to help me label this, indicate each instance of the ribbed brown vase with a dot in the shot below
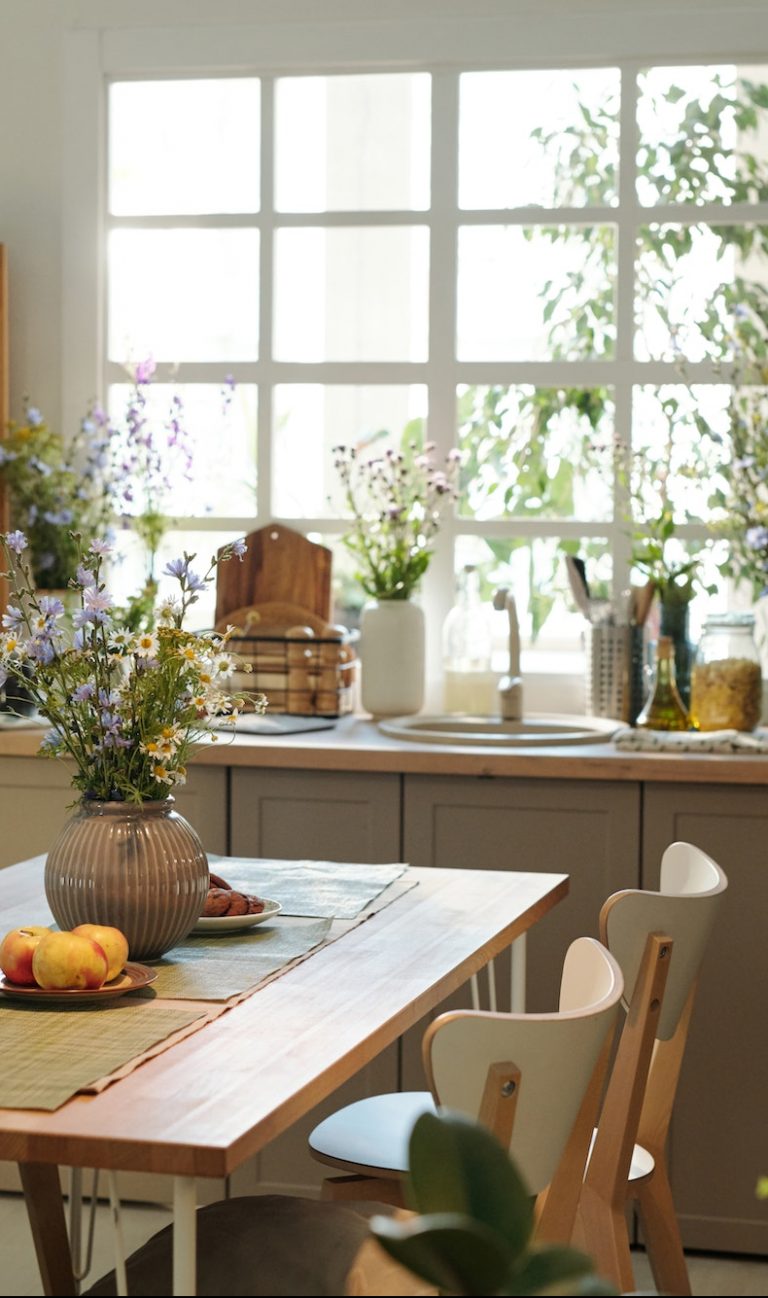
(137, 866)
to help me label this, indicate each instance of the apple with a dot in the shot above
(113, 943)
(69, 961)
(16, 951)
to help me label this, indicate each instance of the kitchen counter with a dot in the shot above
(357, 744)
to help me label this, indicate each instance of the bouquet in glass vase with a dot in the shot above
(127, 710)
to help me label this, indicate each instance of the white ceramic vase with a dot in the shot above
(392, 657)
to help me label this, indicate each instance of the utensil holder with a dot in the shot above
(615, 672)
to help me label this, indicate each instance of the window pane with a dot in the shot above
(351, 294)
(535, 572)
(535, 452)
(310, 419)
(130, 569)
(530, 294)
(571, 155)
(695, 284)
(178, 147)
(702, 135)
(674, 461)
(352, 143)
(184, 295)
(219, 428)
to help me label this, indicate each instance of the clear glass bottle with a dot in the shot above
(469, 684)
(726, 682)
(663, 709)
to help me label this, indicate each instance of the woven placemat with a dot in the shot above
(217, 967)
(334, 889)
(50, 1054)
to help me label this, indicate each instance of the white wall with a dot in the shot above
(33, 36)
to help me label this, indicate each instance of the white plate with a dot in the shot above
(230, 923)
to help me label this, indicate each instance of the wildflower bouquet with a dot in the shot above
(396, 502)
(127, 708)
(56, 488)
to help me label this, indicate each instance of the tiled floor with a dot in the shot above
(18, 1273)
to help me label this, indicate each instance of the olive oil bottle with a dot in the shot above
(663, 709)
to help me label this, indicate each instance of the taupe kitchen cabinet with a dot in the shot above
(36, 798)
(719, 1142)
(325, 816)
(589, 830)
(318, 815)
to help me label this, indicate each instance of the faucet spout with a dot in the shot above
(511, 685)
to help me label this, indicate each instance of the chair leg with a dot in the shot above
(380, 1189)
(661, 1233)
(603, 1228)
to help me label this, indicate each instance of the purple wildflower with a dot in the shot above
(12, 618)
(16, 541)
(51, 606)
(239, 548)
(100, 547)
(83, 693)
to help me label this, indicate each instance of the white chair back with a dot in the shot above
(684, 909)
(556, 1054)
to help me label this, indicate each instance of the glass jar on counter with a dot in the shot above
(726, 683)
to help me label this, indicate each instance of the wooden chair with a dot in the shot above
(659, 939)
(523, 1075)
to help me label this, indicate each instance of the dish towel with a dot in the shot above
(691, 741)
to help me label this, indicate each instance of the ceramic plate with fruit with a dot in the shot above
(227, 909)
(87, 962)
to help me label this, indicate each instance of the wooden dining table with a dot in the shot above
(214, 1099)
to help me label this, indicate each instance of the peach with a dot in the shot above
(113, 943)
(69, 961)
(16, 951)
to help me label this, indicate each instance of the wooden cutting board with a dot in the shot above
(280, 566)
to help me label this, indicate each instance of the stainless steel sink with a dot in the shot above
(538, 728)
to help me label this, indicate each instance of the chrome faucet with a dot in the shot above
(510, 686)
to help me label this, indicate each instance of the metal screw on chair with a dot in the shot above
(663, 952)
(508, 1089)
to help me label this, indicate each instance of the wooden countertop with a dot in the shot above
(356, 744)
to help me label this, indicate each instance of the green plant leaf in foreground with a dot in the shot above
(458, 1167)
(449, 1250)
(550, 1268)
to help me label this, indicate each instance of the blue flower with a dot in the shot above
(16, 541)
(100, 547)
(239, 548)
(83, 693)
(176, 568)
(51, 606)
(34, 418)
(12, 618)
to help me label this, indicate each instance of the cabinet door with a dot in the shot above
(718, 1142)
(586, 829)
(319, 815)
(36, 798)
(327, 816)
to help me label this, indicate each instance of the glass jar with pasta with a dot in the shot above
(726, 683)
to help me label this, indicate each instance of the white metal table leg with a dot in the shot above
(121, 1275)
(184, 1237)
(517, 986)
(75, 1222)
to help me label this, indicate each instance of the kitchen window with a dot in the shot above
(516, 261)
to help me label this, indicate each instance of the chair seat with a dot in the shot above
(642, 1163)
(371, 1135)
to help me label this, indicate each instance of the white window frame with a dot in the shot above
(560, 33)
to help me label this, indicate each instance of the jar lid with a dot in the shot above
(728, 621)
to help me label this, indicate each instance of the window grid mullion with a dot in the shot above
(266, 304)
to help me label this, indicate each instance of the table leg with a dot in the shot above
(42, 1192)
(184, 1236)
(517, 988)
